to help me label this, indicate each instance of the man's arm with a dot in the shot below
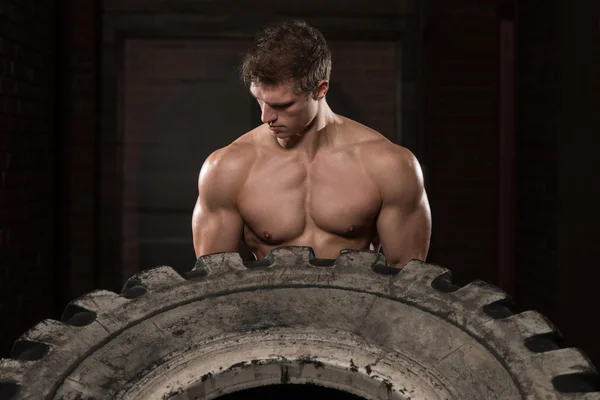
(216, 223)
(404, 221)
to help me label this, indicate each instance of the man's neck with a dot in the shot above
(315, 135)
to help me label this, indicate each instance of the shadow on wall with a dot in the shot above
(201, 115)
(341, 103)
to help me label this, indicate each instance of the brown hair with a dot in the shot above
(288, 50)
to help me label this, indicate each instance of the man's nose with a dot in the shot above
(268, 114)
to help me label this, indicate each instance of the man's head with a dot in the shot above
(287, 51)
(287, 70)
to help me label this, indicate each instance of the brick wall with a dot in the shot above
(557, 221)
(461, 120)
(77, 147)
(578, 267)
(558, 218)
(537, 152)
(26, 166)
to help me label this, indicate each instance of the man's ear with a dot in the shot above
(321, 90)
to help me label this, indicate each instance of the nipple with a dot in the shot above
(351, 229)
(267, 235)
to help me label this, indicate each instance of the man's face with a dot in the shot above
(285, 111)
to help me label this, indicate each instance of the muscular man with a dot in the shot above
(308, 176)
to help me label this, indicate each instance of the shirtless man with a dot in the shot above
(308, 176)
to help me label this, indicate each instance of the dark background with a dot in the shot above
(108, 109)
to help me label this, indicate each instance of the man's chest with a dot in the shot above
(281, 200)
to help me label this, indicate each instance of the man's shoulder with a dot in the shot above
(369, 140)
(389, 162)
(375, 150)
(232, 160)
(383, 152)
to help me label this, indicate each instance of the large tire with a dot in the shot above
(352, 324)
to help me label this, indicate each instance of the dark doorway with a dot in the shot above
(290, 392)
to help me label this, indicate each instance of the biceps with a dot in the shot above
(216, 231)
(403, 234)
